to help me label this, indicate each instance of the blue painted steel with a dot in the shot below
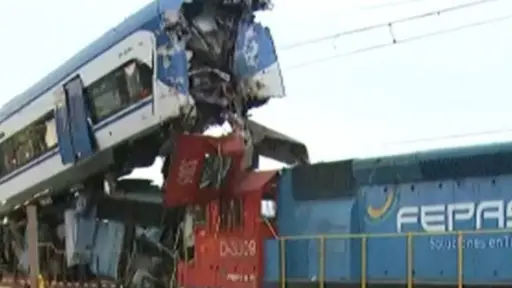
(310, 218)
(475, 161)
(81, 133)
(173, 73)
(485, 256)
(272, 260)
(66, 151)
(254, 54)
(84, 226)
(374, 209)
(106, 252)
(254, 49)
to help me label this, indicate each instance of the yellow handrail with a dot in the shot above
(395, 235)
(364, 238)
(363, 262)
(409, 260)
(460, 260)
(283, 262)
(321, 264)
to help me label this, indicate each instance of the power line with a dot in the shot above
(383, 25)
(396, 42)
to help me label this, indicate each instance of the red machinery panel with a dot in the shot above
(201, 167)
(229, 253)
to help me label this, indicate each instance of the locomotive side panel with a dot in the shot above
(430, 225)
(440, 209)
(308, 207)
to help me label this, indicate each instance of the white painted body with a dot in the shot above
(109, 132)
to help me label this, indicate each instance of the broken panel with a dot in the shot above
(80, 230)
(201, 166)
(255, 63)
(106, 252)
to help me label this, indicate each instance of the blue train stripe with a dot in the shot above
(100, 126)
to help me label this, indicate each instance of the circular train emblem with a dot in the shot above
(379, 205)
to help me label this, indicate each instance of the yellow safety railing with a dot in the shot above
(409, 237)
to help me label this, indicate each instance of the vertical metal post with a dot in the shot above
(33, 245)
(363, 261)
(321, 264)
(409, 260)
(460, 260)
(283, 262)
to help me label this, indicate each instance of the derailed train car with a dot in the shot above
(173, 67)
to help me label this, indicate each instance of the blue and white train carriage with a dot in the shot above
(168, 59)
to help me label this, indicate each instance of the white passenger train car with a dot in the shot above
(157, 65)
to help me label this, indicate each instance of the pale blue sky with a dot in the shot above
(449, 84)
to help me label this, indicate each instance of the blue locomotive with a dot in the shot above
(434, 217)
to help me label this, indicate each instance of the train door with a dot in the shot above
(76, 139)
(67, 154)
(255, 62)
(171, 91)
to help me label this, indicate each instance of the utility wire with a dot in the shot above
(383, 25)
(396, 41)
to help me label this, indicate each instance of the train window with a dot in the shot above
(50, 137)
(119, 89)
(28, 144)
(138, 80)
(8, 157)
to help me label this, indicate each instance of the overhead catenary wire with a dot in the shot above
(395, 41)
(432, 34)
(384, 24)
